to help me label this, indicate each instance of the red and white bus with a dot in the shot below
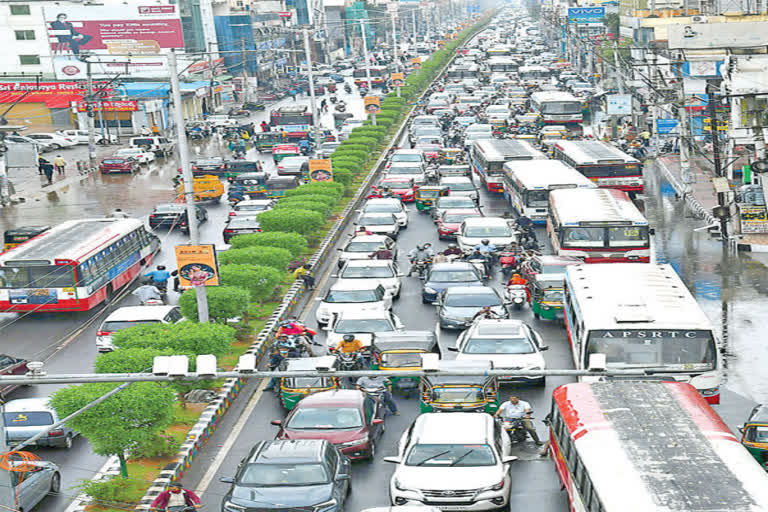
(597, 225)
(295, 120)
(74, 266)
(623, 316)
(489, 155)
(603, 163)
(634, 446)
(379, 76)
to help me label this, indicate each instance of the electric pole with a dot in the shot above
(310, 76)
(91, 124)
(186, 172)
(246, 85)
(394, 46)
(722, 199)
(211, 108)
(365, 55)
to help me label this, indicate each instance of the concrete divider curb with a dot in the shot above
(692, 202)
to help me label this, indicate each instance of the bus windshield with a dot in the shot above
(537, 198)
(676, 350)
(42, 276)
(619, 236)
(561, 107)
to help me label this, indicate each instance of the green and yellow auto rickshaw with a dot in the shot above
(264, 142)
(277, 185)
(402, 351)
(293, 389)
(450, 156)
(442, 393)
(426, 197)
(251, 185)
(754, 434)
(547, 296)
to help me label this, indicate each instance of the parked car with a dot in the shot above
(138, 154)
(130, 316)
(173, 215)
(42, 147)
(344, 296)
(55, 140)
(26, 417)
(114, 165)
(160, 146)
(307, 474)
(81, 136)
(240, 225)
(350, 419)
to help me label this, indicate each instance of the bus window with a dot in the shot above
(631, 236)
(583, 237)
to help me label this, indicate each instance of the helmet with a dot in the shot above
(427, 245)
(349, 337)
(452, 246)
(161, 267)
(485, 241)
(419, 248)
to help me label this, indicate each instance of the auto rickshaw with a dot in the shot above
(547, 296)
(293, 389)
(450, 156)
(207, 188)
(266, 141)
(457, 393)
(280, 151)
(426, 197)
(401, 351)
(339, 118)
(754, 434)
(498, 126)
(249, 185)
(277, 185)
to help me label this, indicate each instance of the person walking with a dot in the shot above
(264, 127)
(41, 165)
(48, 171)
(59, 163)
(155, 130)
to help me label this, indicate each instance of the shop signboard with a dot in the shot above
(619, 104)
(111, 106)
(585, 14)
(754, 219)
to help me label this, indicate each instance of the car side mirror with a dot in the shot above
(393, 460)
(508, 459)
(542, 348)
(453, 349)
(342, 477)
(378, 421)
(227, 480)
(277, 423)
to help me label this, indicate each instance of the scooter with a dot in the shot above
(421, 268)
(341, 107)
(516, 295)
(480, 263)
(333, 99)
(347, 88)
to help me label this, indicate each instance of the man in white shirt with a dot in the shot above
(519, 409)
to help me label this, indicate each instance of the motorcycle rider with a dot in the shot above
(517, 279)
(515, 409)
(382, 253)
(349, 344)
(420, 253)
(159, 277)
(379, 382)
(175, 496)
(486, 313)
(146, 293)
(453, 249)
(295, 328)
(488, 250)
(477, 255)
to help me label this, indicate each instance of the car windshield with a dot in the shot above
(460, 186)
(251, 207)
(456, 202)
(487, 231)
(471, 300)
(404, 170)
(371, 220)
(394, 185)
(400, 359)
(499, 346)
(406, 157)
(242, 223)
(27, 419)
(363, 246)
(453, 276)
(456, 218)
(363, 326)
(113, 161)
(456, 455)
(655, 348)
(125, 324)
(351, 296)
(325, 418)
(268, 475)
(169, 208)
(358, 272)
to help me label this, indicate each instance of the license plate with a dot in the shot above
(453, 507)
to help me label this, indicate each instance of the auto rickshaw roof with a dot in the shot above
(405, 340)
(306, 363)
(251, 176)
(759, 414)
(442, 380)
(549, 280)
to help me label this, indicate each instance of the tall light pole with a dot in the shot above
(312, 103)
(365, 54)
(394, 44)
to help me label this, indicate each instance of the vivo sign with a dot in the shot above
(586, 14)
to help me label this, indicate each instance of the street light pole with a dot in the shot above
(394, 46)
(186, 172)
(312, 102)
(365, 54)
(89, 115)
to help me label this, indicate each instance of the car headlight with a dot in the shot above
(497, 487)
(427, 289)
(399, 485)
(326, 505)
(232, 507)
(355, 442)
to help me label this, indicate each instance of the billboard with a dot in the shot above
(111, 106)
(619, 104)
(585, 14)
(372, 104)
(717, 35)
(197, 265)
(320, 170)
(124, 39)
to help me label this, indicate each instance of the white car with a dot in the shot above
(130, 316)
(379, 224)
(457, 461)
(346, 296)
(388, 205)
(460, 186)
(143, 157)
(383, 272)
(252, 207)
(362, 247)
(498, 112)
(474, 230)
(81, 136)
(54, 140)
(407, 171)
(363, 324)
(221, 120)
(507, 343)
(408, 156)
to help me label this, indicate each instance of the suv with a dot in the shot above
(170, 215)
(130, 316)
(160, 146)
(457, 461)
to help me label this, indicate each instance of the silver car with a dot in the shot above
(27, 417)
(31, 486)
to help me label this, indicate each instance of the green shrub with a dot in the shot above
(224, 302)
(343, 176)
(291, 220)
(183, 337)
(314, 195)
(352, 145)
(326, 187)
(275, 257)
(297, 202)
(161, 446)
(131, 360)
(359, 154)
(115, 490)
(295, 243)
(258, 280)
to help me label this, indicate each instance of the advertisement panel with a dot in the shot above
(398, 79)
(416, 62)
(125, 39)
(619, 104)
(666, 126)
(320, 170)
(197, 265)
(754, 219)
(112, 106)
(717, 35)
(585, 14)
(372, 104)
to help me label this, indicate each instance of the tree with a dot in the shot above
(182, 338)
(258, 280)
(223, 302)
(130, 360)
(130, 418)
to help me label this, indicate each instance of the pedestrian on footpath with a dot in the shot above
(59, 163)
(41, 165)
(48, 171)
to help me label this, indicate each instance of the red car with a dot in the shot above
(402, 188)
(113, 164)
(449, 222)
(347, 418)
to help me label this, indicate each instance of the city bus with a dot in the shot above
(489, 155)
(603, 163)
(379, 76)
(460, 71)
(500, 50)
(557, 107)
(534, 75)
(634, 446)
(597, 225)
(75, 266)
(641, 317)
(503, 65)
(296, 120)
(527, 184)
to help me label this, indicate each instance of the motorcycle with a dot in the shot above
(480, 263)
(515, 430)
(348, 361)
(375, 393)
(421, 267)
(181, 508)
(508, 261)
(516, 295)
(347, 88)
(341, 107)
(333, 99)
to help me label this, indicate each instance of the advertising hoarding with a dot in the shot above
(197, 265)
(111, 106)
(109, 36)
(372, 104)
(619, 104)
(717, 35)
(585, 14)
(320, 170)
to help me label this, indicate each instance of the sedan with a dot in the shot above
(506, 343)
(293, 166)
(38, 481)
(54, 140)
(383, 272)
(460, 186)
(209, 165)
(113, 165)
(325, 149)
(307, 474)
(363, 324)
(345, 296)
(362, 247)
(81, 136)
(350, 419)
(457, 306)
(447, 275)
(138, 154)
(450, 202)
(380, 224)
(172, 215)
(42, 146)
(410, 171)
(449, 222)
(402, 188)
(240, 225)
(252, 207)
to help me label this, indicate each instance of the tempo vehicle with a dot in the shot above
(17, 236)
(547, 296)
(461, 393)
(754, 434)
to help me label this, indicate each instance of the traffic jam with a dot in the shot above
(498, 235)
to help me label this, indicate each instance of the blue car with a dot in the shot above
(447, 275)
(336, 78)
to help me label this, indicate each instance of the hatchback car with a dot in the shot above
(495, 229)
(457, 306)
(141, 156)
(383, 272)
(362, 247)
(460, 186)
(114, 165)
(240, 225)
(506, 343)
(450, 202)
(26, 417)
(326, 149)
(350, 419)
(173, 215)
(379, 224)
(385, 205)
(363, 324)
(307, 474)
(447, 275)
(345, 296)
(449, 222)
(131, 316)
(293, 166)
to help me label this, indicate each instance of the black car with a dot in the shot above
(210, 165)
(307, 474)
(240, 225)
(173, 215)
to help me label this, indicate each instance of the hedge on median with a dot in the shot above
(291, 220)
(275, 257)
(295, 243)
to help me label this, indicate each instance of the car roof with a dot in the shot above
(283, 451)
(456, 265)
(255, 202)
(333, 398)
(470, 290)
(356, 314)
(27, 404)
(457, 427)
(369, 263)
(353, 284)
(493, 327)
(484, 221)
(369, 238)
(377, 214)
(139, 313)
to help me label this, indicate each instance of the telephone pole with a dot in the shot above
(186, 172)
(394, 45)
(211, 107)
(246, 85)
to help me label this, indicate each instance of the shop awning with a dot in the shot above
(51, 100)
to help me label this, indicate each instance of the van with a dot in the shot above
(26, 417)
(160, 146)
(130, 316)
